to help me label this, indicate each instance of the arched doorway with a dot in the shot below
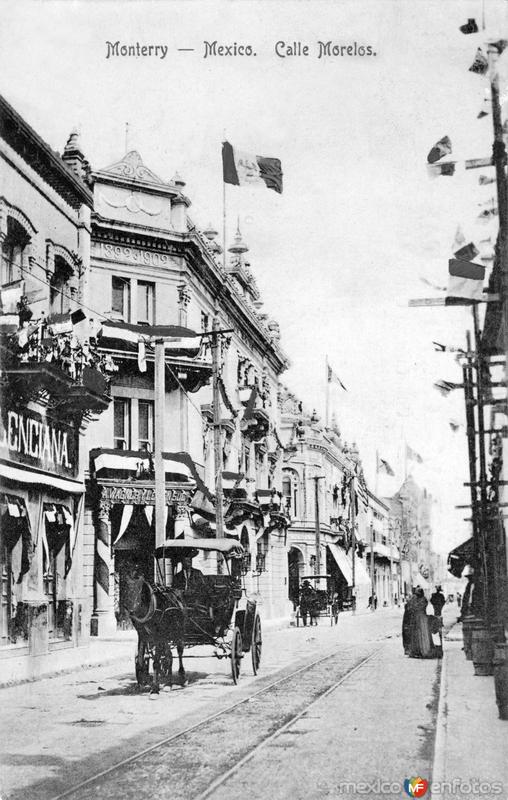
(295, 569)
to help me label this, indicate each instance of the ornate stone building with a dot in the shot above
(317, 484)
(52, 381)
(152, 270)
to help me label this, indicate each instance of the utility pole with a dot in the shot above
(372, 575)
(353, 542)
(217, 430)
(160, 477)
(317, 529)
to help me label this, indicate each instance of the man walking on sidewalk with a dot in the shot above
(437, 600)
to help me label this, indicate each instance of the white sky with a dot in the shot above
(339, 254)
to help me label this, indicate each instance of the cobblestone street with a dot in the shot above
(96, 718)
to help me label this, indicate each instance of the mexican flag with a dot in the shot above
(245, 169)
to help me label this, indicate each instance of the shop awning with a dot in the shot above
(124, 464)
(344, 562)
(178, 341)
(40, 479)
(460, 556)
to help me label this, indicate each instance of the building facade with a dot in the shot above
(317, 488)
(151, 271)
(52, 382)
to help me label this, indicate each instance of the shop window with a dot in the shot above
(121, 298)
(59, 288)
(15, 552)
(146, 303)
(122, 423)
(13, 249)
(145, 425)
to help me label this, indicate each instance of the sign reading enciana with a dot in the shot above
(29, 438)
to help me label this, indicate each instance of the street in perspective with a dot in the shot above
(253, 400)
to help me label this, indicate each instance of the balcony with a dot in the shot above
(257, 425)
(72, 378)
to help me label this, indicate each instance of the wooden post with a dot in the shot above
(372, 574)
(353, 542)
(217, 438)
(160, 477)
(317, 528)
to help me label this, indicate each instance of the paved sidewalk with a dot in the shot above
(471, 754)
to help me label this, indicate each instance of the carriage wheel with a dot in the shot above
(256, 645)
(236, 654)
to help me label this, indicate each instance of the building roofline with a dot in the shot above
(42, 158)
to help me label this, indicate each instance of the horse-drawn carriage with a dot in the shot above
(188, 608)
(316, 602)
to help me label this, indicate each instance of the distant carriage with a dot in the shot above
(319, 603)
(193, 609)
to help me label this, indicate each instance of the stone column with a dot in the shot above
(103, 618)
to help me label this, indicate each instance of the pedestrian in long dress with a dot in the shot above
(421, 645)
(407, 623)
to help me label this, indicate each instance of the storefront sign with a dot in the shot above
(142, 495)
(120, 252)
(27, 437)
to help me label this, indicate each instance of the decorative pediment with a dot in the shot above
(131, 168)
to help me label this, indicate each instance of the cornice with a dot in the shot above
(198, 257)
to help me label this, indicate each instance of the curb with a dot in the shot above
(440, 740)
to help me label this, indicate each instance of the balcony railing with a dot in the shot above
(73, 375)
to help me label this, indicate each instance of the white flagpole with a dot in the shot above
(377, 472)
(327, 408)
(224, 222)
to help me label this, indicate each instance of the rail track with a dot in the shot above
(196, 761)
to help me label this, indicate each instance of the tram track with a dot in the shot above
(196, 761)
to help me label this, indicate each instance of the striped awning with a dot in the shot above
(135, 463)
(178, 341)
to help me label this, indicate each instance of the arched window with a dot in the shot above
(12, 252)
(60, 290)
(290, 492)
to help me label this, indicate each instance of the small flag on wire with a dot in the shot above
(480, 64)
(454, 425)
(412, 455)
(445, 387)
(432, 285)
(245, 169)
(467, 253)
(334, 378)
(442, 148)
(443, 348)
(469, 27)
(486, 105)
(465, 284)
(383, 466)
(487, 214)
(446, 168)
(483, 180)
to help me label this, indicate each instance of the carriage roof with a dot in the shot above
(230, 548)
